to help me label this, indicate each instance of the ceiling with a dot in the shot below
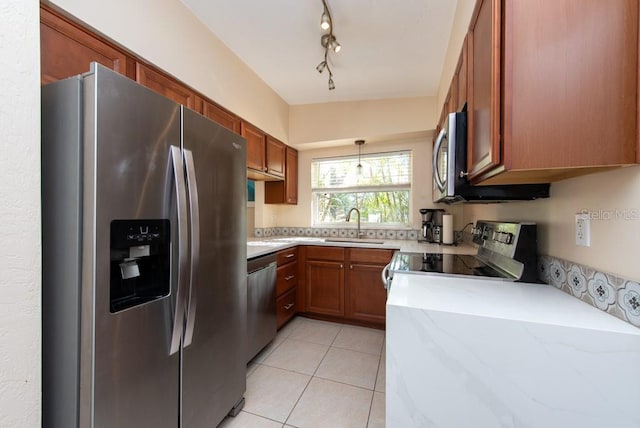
(390, 49)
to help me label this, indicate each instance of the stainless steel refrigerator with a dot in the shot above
(144, 259)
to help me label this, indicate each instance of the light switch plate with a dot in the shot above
(583, 230)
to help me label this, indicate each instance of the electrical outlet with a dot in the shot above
(583, 230)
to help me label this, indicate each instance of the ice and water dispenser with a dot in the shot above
(140, 262)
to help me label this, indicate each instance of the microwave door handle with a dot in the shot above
(436, 150)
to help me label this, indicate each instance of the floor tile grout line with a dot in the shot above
(264, 417)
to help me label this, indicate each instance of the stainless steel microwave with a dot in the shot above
(450, 184)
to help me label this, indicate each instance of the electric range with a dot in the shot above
(506, 251)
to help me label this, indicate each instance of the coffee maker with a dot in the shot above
(431, 225)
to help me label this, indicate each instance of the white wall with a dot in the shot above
(421, 195)
(311, 123)
(614, 199)
(20, 311)
(167, 34)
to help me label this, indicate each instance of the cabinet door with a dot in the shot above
(165, 86)
(284, 192)
(66, 50)
(367, 295)
(221, 116)
(461, 73)
(256, 140)
(285, 307)
(275, 156)
(325, 287)
(291, 176)
(483, 136)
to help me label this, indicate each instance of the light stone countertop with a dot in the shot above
(259, 247)
(509, 354)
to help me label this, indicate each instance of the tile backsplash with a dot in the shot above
(617, 296)
(326, 232)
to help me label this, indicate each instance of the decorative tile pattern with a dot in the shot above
(616, 296)
(577, 281)
(557, 273)
(344, 232)
(629, 301)
(602, 292)
(544, 265)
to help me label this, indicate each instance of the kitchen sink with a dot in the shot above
(354, 241)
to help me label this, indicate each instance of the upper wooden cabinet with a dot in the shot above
(66, 49)
(284, 192)
(460, 78)
(275, 156)
(167, 86)
(266, 156)
(552, 89)
(221, 116)
(256, 146)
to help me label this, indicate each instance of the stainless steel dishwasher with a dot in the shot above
(261, 303)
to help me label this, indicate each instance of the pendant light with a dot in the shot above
(359, 143)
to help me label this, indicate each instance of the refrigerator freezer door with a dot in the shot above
(128, 175)
(214, 366)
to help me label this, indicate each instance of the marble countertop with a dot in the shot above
(259, 247)
(505, 354)
(477, 296)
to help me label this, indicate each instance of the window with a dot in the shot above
(381, 191)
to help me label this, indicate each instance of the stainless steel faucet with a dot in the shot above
(349, 217)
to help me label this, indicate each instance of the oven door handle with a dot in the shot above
(436, 151)
(385, 275)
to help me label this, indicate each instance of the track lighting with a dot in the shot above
(324, 21)
(328, 42)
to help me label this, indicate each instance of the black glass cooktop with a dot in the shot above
(453, 264)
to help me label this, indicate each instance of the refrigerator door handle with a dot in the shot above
(181, 201)
(194, 208)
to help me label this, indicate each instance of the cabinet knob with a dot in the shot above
(289, 278)
(341, 266)
(463, 174)
(289, 306)
(350, 266)
(288, 256)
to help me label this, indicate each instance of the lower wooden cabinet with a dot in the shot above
(286, 285)
(345, 283)
(285, 307)
(367, 295)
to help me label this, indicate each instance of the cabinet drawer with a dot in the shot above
(287, 256)
(285, 307)
(287, 277)
(325, 253)
(368, 255)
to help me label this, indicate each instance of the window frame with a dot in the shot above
(354, 189)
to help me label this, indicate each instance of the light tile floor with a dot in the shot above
(316, 374)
